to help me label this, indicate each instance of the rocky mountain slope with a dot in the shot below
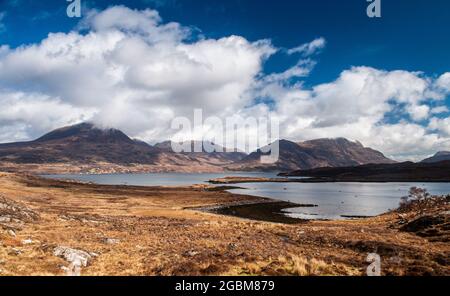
(221, 154)
(440, 156)
(81, 143)
(313, 154)
(86, 148)
(105, 151)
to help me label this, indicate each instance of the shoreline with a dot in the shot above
(257, 208)
(263, 211)
(242, 180)
(147, 231)
(266, 210)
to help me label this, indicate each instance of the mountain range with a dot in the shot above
(386, 172)
(440, 156)
(313, 154)
(86, 148)
(82, 147)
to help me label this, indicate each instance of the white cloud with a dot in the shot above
(301, 69)
(356, 105)
(130, 70)
(439, 110)
(310, 48)
(444, 82)
(145, 23)
(358, 92)
(25, 113)
(440, 124)
(418, 112)
(136, 72)
(4, 49)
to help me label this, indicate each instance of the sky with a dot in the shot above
(323, 68)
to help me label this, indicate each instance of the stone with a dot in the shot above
(14, 252)
(112, 241)
(27, 242)
(76, 257)
(5, 219)
(191, 253)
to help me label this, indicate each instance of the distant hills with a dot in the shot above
(81, 147)
(313, 154)
(221, 155)
(107, 150)
(393, 172)
(440, 156)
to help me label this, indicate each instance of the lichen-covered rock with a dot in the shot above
(77, 257)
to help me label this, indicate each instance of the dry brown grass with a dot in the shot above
(158, 235)
(294, 265)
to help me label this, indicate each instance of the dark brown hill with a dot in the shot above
(82, 143)
(394, 172)
(313, 154)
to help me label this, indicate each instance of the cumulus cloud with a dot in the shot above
(136, 72)
(444, 82)
(418, 112)
(440, 124)
(23, 113)
(361, 92)
(356, 106)
(128, 69)
(439, 110)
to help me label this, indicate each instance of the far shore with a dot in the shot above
(137, 230)
(241, 180)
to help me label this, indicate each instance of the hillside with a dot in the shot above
(82, 143)
(86, 148)
(222, 153)
(394, 172)
(440, 156)
(313, 154)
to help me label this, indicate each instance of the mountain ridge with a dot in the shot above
(86, 145)
(82, 143)
(438, 157)
(310, 154)
(386, 172)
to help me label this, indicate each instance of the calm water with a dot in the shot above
(333, 199)
(337, 199)
(156, 179)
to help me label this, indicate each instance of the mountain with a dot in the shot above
(390, 172)
(440, 156)
(313, 154)
(86, 148)
(82, 143)
(222, 153)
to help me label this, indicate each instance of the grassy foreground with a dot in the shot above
(160, 231)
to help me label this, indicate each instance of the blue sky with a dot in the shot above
(411, 36)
